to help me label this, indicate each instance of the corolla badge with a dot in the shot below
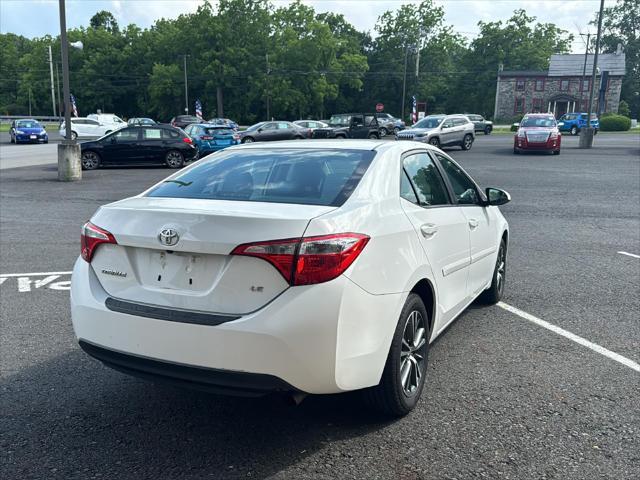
(168, 236)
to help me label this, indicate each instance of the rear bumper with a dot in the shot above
(199, 378)
(324, 338)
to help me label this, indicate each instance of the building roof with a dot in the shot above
(573, 64)
(522, 73)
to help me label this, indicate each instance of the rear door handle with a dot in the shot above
(473, 223)
(428, 230)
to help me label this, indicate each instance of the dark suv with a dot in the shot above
(350, 125)
(181, 121)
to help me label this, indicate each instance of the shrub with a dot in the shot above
(615, 123)
(623, 109)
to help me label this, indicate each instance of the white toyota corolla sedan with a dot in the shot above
(303, 266)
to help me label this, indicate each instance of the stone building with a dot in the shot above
(562, 88)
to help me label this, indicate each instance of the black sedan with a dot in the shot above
(269, 131)
(182, 121)
(136, 145)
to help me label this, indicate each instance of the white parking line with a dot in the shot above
(39, 274)
(572, 336)
(629, 254)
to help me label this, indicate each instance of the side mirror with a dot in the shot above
(496, 197)
(560, 124)
(260, 129)
(447, 125)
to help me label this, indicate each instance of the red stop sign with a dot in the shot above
(379, 107)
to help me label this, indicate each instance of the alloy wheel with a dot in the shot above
(413, 353)
(90, 160)
(435, 142)
(383, 132)
(174, 159)
(501, 269)
(468, 141)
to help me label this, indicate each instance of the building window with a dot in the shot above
(520, 84)
(519, 106)
(539, 84)
(585, 85)
(537, 105)
(564, 85)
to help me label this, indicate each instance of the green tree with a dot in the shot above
(517, 44)
(621, 25)
(105, 20)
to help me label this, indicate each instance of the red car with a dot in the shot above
(537, 132)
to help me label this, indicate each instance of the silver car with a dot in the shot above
(441, 131)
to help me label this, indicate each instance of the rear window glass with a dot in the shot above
(219, 131)
(310, 177)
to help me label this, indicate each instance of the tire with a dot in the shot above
(90, 160)
(11, 139)
(595, 132)
(487, 130)
(341, 137)
(174, 159)
(574, 130)
(494, 293)
(298, 138)
(556, 152)
(248, 140)
(435, 141)
(383, 132)
(74, 135)
(373, 136)
(407, 354)
(516, 151)
(396, 130)
(467, 142)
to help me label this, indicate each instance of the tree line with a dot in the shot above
(257, 61)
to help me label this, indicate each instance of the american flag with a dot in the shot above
(74, 109)
(198, 109)
(414, 112)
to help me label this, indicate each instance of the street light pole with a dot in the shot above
(69, 166)
(186, 87)
(53, 93)
(404, 80)
(586, 134)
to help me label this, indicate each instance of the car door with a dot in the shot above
(358, 128)
(151, 149)
(482, 224)
(447, 132)
(442, 229)
(285, 131)
(122, 147)
(267, 132)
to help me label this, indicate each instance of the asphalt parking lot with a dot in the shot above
(507, 395)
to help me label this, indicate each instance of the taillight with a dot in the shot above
(187, 140)
(308, 260)
(92, 236)
(206, 137)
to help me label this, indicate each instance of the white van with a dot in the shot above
(110, 120)
(84, 127)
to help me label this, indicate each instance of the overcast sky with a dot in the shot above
(33, 18)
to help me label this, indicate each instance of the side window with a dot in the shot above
(459, 122)
(357, 121)
(152, 134)
(127, 135)
(463, 187)
(170, 134)
(406, 190)
(95, 123)
(426, 179)
(283, 126)
(270, 126)
(370, 121)
(447, 123)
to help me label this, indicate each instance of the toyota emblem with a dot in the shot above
(168, 237)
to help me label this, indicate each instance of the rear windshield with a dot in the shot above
(218, 131)
(309, 177)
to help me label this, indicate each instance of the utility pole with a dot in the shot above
(69, 166)
(186, 87)
(58, 88)
(404, 81)
(268, 88)
(586, 134)
(53, 93)
(584, 70)
(29, 101)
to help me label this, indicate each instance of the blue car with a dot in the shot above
(575, 121)
(27, 131)
(225, 122)
(210, 138)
